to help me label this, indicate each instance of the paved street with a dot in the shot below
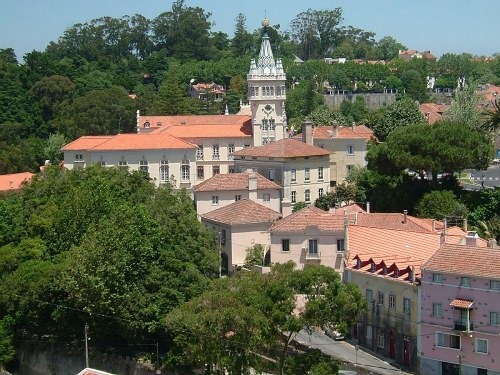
(346, 352)
(491, 178)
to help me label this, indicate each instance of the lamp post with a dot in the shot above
(86, 345)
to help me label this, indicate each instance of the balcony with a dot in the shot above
(313, 255)
(462, 326)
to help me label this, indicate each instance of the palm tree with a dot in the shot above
(492, 118)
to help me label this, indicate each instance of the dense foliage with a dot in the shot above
(100, 246)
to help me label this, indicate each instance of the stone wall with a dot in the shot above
(372, 100)
(36, 358)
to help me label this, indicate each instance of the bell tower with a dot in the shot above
(266, 94)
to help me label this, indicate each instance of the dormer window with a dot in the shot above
(147, 125)
(158, 123)
(373, 267)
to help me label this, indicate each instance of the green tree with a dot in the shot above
(439, 204)
(53, 148)
(299, 206)
(465, 107)
(491, 117)
(388, 48)
(254, 256)
(398, 114)
(242, 42)
(49, 92)
(171, 98)
(7, 351)
(415, 85)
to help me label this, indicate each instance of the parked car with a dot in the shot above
(333, 333)
(495, 161)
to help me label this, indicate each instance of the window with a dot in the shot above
(230, 151)
(147, 125)
(143, 165)
(102, 163)
(271, 174)
(447, 340)
(294, 196)
(350, 150)
(164, 171)
(200, 173)
(307, 174)
(437, 310)
(122, 163)
(199, 153)
(265, 124)
(237, 197)
(78, 157)
(246, 146)
(350, 169)
(495, 284)
(341, 244)
(406, 305)
(293, 175)
(369, 295)
(266, 197)
(369, 332)
(464, 281)
(381, 298)
(285, 245)
(392, 301)
(495, 318)
(222, 237)
(320, 192)
(437, 278)
(320, 173)
(215, 170)
(380, 339)
(185, 171)
(307, 195)
(215, 200)
(215, 152)
(272, 125)
(313, 247)
(481, 346)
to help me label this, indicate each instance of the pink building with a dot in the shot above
(460, 310)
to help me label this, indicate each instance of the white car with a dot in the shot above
(334, 334)
(495, 161)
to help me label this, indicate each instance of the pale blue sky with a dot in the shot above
(440, 26)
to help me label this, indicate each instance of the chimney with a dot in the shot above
(412, 274)
(346, 238)
(442, 238)
(405, 216)
(464, 225)
(492, 243)
(433, 225)
(252, 185)
(335, 132)
(307, 132)
(367, 207)
(471, 238)
(138, 121)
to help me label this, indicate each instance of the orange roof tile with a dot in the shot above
(309, 217)
(86, 142)
(14, 181)
(472, 261)
(432, 112)
(284, 148)
(402, 248)
(347, 209)
(235, 181)
(243, 211)
(322, 132)
(461, 303)
(128, 142)
(208, 131)
(164, 121)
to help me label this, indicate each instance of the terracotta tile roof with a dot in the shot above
(350, 208)
(461, 303)
(364, 131)
(326, 132)
(208, 131)
(243, 211)
(472, 261)
(235, 181)
(390, 221)
(389, 247)
(14, 181)
(432, 112)
(490, 93)
(128, 142)
(194, 120)
(86, 142)
(91, 371)
(284, 148)
(309, 217)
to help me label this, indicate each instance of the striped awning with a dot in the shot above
(459, 303)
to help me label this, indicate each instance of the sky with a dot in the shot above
(441, 26)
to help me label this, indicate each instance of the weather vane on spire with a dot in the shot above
(265, 21)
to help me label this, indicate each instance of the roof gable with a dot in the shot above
(284, 148)
(244, 211)
(309, 217)
(235, 181)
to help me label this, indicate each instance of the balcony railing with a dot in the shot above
(313, 255)
(462, 326)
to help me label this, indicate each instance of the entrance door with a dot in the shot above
(406, 351)
(392, 345)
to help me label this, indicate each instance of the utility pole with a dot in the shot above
(220, 253)
(86, 345)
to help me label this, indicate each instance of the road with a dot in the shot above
(490, 177)
(345, 352)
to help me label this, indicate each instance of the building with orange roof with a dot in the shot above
(14, 181)
(302, 170)
(432, 112)
(460, 309)
(240, 226)
(202, 91)
(309, 236)
(224, 189)
(165, 158)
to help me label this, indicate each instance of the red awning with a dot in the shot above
(459, 303)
